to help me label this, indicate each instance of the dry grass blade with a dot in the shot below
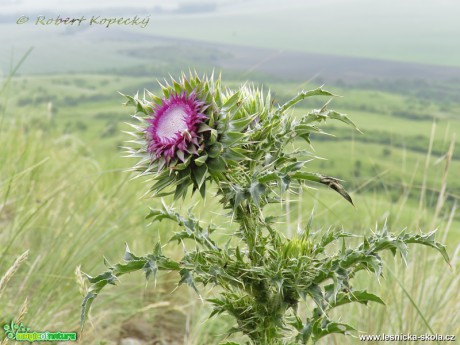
(425, 170)
(23, 311)
(80, 281)
(12, 270)
(442, 192)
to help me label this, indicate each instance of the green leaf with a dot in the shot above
(203, 190)
(85, 307)
(157, 215)
(303, 130)
(149, 265)
(107, 277)
(231, 138)
(231, 101)
(330, 236)
(427, 240)
(301, 96)
(149, 268)
(269, 177)
(285, 181)
(181, 190)
(177, 87)
(201, 160)
(360, 296)
(200, 174)
(215, 150)
(131, 266)
(204, 128)
(213, 136)
(341, 117)
(304, 331)
(240, 196)
(129, 256)
(257, 190)
(323, 327)
(186, 277)
(234, 155)
(163, 183)
(216, 164)
(316, 294)
(241, 124)
(295, 166)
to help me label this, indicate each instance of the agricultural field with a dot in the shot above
(67, 201)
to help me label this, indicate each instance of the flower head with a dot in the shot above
(173, 127)
(198, 132)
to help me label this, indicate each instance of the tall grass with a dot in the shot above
(64, 209)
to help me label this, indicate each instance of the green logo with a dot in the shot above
(23, 333)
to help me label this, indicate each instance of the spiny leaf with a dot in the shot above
(200, 174)
(149, 268)
(301, 96)
(186, 277)
(341, 117)
(323, 327)
(232, 101)
(257, 190)
(85, 307)
(231, 138)
(316, 294)
(128, 255)
(149, 265)
(427, 240)
(360, 296)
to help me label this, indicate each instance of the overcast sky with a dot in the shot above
(33, 5)
(27, 6)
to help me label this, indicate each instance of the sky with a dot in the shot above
(8, 6)
(33, 5)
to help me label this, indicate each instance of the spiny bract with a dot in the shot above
(198, 131)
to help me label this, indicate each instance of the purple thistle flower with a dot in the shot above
(173, 128)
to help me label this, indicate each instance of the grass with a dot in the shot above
(65, 201)
(53, 199)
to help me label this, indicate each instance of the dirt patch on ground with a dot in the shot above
(168, 328)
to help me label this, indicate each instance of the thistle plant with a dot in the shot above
(279, 290)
